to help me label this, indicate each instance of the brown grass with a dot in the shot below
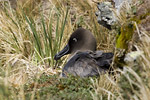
(18, 60)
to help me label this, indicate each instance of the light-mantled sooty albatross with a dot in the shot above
(84, 61)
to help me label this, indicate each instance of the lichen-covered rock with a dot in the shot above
(105, 15)
(119, 3)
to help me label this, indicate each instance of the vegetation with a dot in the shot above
(33, 31)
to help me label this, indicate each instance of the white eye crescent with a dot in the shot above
(75, 39)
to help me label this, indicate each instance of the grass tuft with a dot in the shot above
(33, 31)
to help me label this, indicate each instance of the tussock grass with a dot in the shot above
(28, 42)
(132, 83)
(33, 31)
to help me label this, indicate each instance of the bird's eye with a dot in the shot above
(75, 39)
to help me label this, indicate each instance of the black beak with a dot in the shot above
(62, 52)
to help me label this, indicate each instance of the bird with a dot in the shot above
(85, 60)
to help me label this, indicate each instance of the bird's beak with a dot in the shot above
(62, 52)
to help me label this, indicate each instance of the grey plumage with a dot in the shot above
(85, 60)
(85, 64)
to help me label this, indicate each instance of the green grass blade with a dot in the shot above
(35, 35)
(63, 26)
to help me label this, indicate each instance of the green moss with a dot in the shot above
(125, 36)
(127, 30)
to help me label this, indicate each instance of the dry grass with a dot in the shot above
(133, 82)
(22, 29)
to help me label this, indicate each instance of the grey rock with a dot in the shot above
(105, 14)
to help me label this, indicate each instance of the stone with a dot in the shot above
(105, 15)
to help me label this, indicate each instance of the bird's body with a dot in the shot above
(85, 64)
(85, 60)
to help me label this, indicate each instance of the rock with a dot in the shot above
(132, 56)
(105, 15)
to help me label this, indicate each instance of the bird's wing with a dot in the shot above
(104, 60)
(83, 65)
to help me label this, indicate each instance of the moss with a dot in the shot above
(127, 30)
(125, 36)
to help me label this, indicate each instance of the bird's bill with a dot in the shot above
(62, 52)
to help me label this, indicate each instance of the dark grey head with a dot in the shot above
(80, 40)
